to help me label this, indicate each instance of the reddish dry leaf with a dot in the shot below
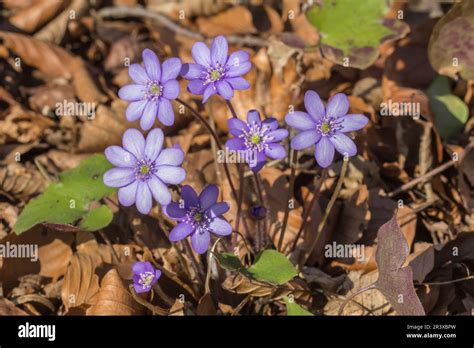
(395, 281)
(8, 308)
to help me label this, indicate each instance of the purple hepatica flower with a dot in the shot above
(215, 71)
(154, 86)
(258, 139)
(325, 127)
(144, 276)
(143, 169)
(199, 217)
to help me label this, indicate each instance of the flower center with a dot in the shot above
(154, 90)
(145, 279)
(144, 170)
(328, 126)
(214, 74)
(325, 127)
(256, 137)
(196, 217)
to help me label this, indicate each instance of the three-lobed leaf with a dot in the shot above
(68, 201)
(352, 31)
(270, 266)
(294, 309)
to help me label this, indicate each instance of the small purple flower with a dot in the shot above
(198, 217)
(143, 169)
(325, 127)
(144, 276)
(154, 87)
(258, 139)
(215, 71)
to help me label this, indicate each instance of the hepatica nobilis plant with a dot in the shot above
(144, 171)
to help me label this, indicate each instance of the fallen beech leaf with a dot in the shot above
(114, 298)
(236, 20)
(81, 284)
(8, 308)
(31, 18)
(395, 281)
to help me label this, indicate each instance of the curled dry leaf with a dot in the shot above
(8, 308)
(114, 298)
(48, 58)
(81, 284)
(33, 17)
(20, 182)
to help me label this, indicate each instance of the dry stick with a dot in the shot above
(294, 163)
(138, 11)
(421, 179)
(193, 260)
(109, 244)
(341, 309)
(210, 254)
(334, 196)
(241, 305)
(309, 208)
(155, 309)
(450, 281)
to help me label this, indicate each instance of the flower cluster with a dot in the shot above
(144, 169)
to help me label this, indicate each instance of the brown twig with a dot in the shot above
(138, 11)
(422, 178)
(309, 208)
(335, 194)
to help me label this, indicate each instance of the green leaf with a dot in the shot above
(272, 267)
(354, 29)
(450, 112)
(293, 308)
(68, 200)
(450, 49)
(229, 261)
(97, 218)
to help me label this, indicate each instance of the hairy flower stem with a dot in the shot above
(231, 108)
(263, 204)
(334, 196)
(294, 163)
(310, 206)
(214, 135)
(241, 195)
(154, 309)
